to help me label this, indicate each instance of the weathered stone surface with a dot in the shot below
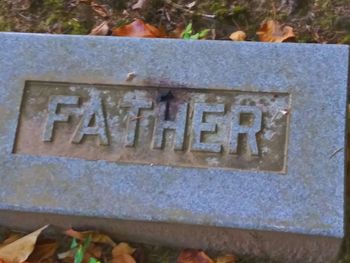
(246, 136)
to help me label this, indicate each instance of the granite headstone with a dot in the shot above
(210, 144)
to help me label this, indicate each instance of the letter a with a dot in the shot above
(93, 113)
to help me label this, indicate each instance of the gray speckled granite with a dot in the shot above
(307, 199)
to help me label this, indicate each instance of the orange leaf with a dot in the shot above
(123, 259)
(122, 249)
(238, 36)
(75, 234)
(272, 31)
(193, 256)
(138, 28)
(19, 250)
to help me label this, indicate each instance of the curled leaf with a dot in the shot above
(139, 4)
(191, 5)
(138, 28)
(193, 256)
(238, 36)
(101, 30)
(100, 10)
(96, 237)
(272, 31)
(19, 250)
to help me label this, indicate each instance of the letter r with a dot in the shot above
(250, 130)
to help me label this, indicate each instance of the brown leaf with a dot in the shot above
(43, 250)
(19, 250)
(99, 9)
(178, 31)
(226, 259)
(139, 4)
(101, 30)
(96, 237)
(95, 251)
(193, 256)
(138, 28)
(123, 259)
(122, 249)
(238, 36)
(272, 31)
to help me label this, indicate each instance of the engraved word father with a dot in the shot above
(93, 123)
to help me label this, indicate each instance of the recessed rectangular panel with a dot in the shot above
(167, 126)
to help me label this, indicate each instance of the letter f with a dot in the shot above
(53, 116)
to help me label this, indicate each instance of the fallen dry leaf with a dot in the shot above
(43, 250)
(178, 31)
(191, 5)
(95, 251)
(238, 36)
(226, 259)
(138, 28)
(99, 9)
(122, 249)
(123, 259)
(96, 237)
(272, 31)
(193, 256)
(67, 254)
(101, 30)
(19, 250)
(139, 4)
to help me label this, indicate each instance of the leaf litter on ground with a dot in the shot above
(93, 247)
(20, 249)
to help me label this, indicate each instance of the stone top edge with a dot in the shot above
(181, 41)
